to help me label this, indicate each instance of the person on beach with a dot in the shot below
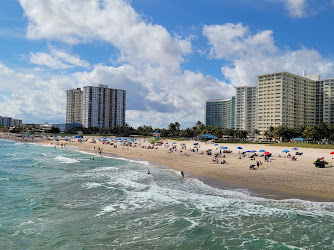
(257, 164)
(182, 174)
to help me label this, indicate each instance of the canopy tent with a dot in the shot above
(298, 139)
(208, 136)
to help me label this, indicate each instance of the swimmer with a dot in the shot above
(148, 171)
(182, 174)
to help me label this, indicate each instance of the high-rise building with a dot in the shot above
(17, 123)
(74, 106)
(6, 121)
(220, 113)
(103, 107)
(246, 106)
(285, 99)
(327, 101)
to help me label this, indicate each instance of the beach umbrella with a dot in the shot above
(295, 149)
(332, 153)
(174, 142)
(239, 147)
(224, 147)
(253, 151)
(196, 143)
(215, 144)
(285, 151)
(248, 151)
(267, 153)
(262, 150)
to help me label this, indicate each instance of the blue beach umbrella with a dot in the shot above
(261, 151)
(239, 147)
(196, 143)
(225, 147)
(248, 151)
(174, 142)
(285, 151)
(253, 151)
(295, 149)
(215, 144)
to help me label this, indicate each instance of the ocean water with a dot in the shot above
(54, 198)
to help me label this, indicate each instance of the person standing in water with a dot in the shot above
(182, 174)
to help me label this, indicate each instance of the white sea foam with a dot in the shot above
(66, 160)
(90, 185)
(107, 209)
(27, 223)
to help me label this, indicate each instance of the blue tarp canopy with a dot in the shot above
(298, 139)
(208, 136)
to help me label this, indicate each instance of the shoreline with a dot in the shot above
(272, 180)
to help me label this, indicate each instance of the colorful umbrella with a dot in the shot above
(267, 153)
(332, 153)
(239, 147)
(285, 151)
(224, 147)
(295, 149)
(262, 150)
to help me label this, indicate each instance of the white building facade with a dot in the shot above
(246, 108)
(103, 107)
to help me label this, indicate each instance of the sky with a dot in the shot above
(169, 55)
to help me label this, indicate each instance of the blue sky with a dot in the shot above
(170, 55)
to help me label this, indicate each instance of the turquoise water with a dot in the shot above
(53, 198)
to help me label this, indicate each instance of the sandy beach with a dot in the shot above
(300, 177)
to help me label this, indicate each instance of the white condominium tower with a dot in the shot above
(326, 110)
(74, 106)
(246, 108)
(103, 107)
(285, 99)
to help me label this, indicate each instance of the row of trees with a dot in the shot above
(281, 133)
(314, 133)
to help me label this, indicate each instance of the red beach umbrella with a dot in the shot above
(332, 153)
(266, 153)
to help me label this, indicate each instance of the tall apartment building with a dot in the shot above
(246, 108)
(17, 123)
(285, 99)
(74, 106)
(220, 113)
(103, 107)
(327, 97)
(6, 121)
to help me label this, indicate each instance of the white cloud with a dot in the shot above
(45, 59)
(57, 59)
(246, 56)
(296, 8)
(230, 41)
(73, 60)
(113, 21)
(32, 98)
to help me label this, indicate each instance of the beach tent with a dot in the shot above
(298, 139)
(208, 136)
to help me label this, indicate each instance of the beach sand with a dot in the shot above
(296, 178)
